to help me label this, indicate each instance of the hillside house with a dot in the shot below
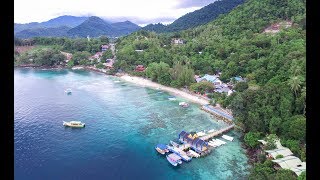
(276, 27)
(109, 63)
(96, 56)
(105, 47)
(140, 68)
(68, 56)
(177, 41)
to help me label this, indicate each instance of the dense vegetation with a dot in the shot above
(50, 48)
(44, 32)
(274, 99)
(196, 18)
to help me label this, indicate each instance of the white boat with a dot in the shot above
(229, 138)
(171, 98)
(201, 133)
(183, 104)
(194, 154)
(68, 91)
(212, 130)
(74, 124)
(222, 142)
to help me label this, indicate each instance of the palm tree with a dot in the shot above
(295, 84)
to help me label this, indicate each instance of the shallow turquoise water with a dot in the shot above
(124, 123)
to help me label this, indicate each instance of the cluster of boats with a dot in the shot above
(177, 155)
(176, 152)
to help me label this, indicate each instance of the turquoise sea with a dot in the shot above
(123, 124)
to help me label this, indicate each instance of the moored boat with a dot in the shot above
(74, 124)
(183, 104)
(229, 138)
(68, 91)
(162, 148)
(174, 159)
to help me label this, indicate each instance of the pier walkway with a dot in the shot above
(216, 133)
(220, 114)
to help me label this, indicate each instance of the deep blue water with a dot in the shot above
(123, 124)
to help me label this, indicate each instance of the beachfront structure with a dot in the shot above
(197, 144)
(211, 78)
(109, 63)
(280, 151)
(292, 163)
(96, 56)
(288, 161)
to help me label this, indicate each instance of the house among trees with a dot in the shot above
(237, 79)
(283, 156)
(109, 63)
(96, 56)
(104, 47)
(68, 56)
(211, 78)
(140, 68)
(274, 28)
(177, 41)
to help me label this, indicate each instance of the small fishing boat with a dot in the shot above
(162, 148)
(68, 91)
(172, 98)
(174, 159)
(201, 133)
(183, 104)
(229, 138)
(77, 124)
(174, 144)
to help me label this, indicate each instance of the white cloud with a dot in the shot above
(134, 10)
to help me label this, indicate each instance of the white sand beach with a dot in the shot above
(147, 83)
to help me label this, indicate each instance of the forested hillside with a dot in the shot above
(274, 102)
(196, 18)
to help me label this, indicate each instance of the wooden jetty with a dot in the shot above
(217, 133)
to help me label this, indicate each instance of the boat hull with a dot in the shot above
(173, 163)
(160, 151)
(67, 124)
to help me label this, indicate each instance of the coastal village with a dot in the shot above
(235, 93)
(200, 144)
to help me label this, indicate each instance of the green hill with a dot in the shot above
(196, 18)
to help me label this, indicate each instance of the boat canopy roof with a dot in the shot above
(162, 146)
(76, 122)
(174, 156)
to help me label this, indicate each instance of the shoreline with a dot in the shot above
(140, 81)
(177, 92)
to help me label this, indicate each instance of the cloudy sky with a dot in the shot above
(141, 12)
